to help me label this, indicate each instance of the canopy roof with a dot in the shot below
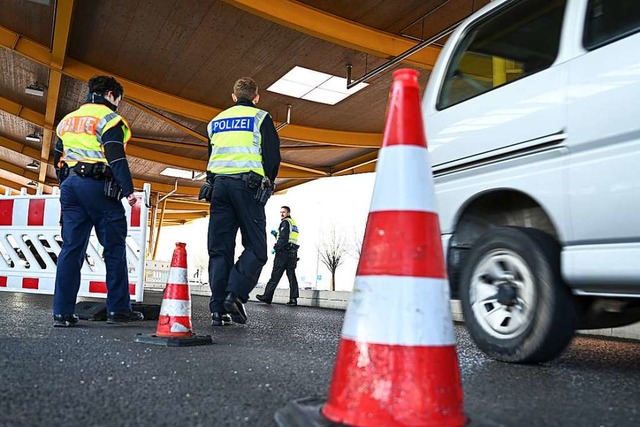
(178, 60)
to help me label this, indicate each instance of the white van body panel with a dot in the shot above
(568, 137)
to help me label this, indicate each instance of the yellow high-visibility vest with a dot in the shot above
(236, 141)
(81, 133)
(293, 231)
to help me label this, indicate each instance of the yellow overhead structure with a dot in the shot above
(287, 170)
(325, 26)
(61, 27)
(175, 104)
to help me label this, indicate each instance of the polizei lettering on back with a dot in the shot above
(233, 124)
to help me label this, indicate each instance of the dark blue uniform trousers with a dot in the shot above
(85, 206)
(234, 207)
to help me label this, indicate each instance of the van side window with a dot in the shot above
(608, 21)
(515, 41)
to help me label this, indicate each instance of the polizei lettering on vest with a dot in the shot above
(233, 124)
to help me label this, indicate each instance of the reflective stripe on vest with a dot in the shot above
(81, 133)
(236, 141)
(293, 231)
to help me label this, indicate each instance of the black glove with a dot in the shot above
(205, 191)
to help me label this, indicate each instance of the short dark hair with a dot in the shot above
(245, 88)
(101, 85)
(286, 208)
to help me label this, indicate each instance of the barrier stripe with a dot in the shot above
(6, 212)
(389, 381)
(101, 287)
(417, 305)
(175, 308)
(180, 292)
(36, 212)
(402, 243)
(398, 191)
(174, 326)
(30, 283)
(135, 213)
(177, 275)
(3, 281)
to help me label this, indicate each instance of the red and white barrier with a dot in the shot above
(30, 243)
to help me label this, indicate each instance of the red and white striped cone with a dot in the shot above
(174, 323)
(175, 311)
(396, 363)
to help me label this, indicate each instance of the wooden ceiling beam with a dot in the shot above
(61, 29)
(172, 144)
(18, 147)
(174, 104)
(11, 185)
(287, 170)
(167, 120)
(357, 162)
(316, 23)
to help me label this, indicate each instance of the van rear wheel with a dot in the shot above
(515, 305)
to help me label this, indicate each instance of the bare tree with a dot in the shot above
(332, 249)
(355, 245)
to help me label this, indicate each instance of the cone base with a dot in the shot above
(173, 341)
(303, 412)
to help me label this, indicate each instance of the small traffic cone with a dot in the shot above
(174, 323)
(396, 363)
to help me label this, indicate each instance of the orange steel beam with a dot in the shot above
(166, 188)
(13, 186)
(174, 144)
(24, 113)
(19, 148)
(61, 28)
(331, 28)
(354, 163)
(13, 41)
(287, 170)
(167, 120)
(185, 215)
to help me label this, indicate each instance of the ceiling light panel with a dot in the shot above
(324, 96)
(339, 84)
(178, 173)
(289, 88)
(315, 86)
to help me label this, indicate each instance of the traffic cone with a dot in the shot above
(174, 322)
(396, 363)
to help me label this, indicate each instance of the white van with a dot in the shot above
(532, 117)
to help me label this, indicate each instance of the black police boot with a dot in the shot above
(117, 318)
(64, 320)
(292, 302)
(263, 299)
(233, 304)
(220, 319)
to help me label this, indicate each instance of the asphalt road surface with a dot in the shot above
(96, 375)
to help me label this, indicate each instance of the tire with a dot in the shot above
(515, 305)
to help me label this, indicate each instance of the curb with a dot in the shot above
(338, 300)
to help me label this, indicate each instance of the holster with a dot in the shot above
(111, 189)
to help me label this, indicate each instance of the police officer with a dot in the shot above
(92, 169)
(286, 259)
(244, 157)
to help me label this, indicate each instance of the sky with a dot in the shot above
(340, 203)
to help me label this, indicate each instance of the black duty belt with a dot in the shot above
(242, 176)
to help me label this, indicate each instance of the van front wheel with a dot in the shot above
(515, 305)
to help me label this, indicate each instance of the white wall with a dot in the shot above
(315, 206)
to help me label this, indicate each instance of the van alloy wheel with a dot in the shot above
(515, 305)
(502, 294)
